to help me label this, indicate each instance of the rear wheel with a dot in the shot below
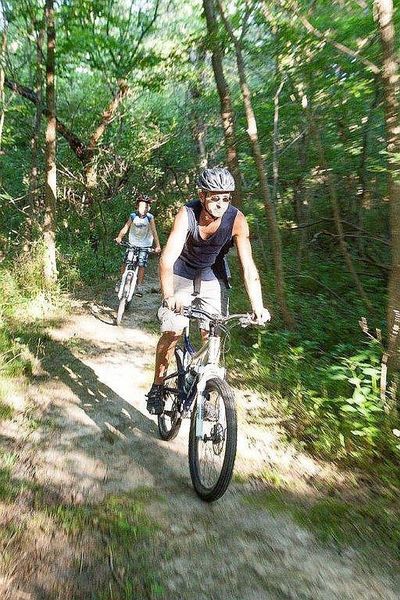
(212, 456)
(169, 422)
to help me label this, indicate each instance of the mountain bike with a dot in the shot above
(129, 277)
(197, 389)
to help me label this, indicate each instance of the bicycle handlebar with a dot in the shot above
(244, 319)
(131, 247)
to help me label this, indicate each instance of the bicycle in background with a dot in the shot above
(197, 389)
(129, 277)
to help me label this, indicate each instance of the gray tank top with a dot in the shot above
(206, 256)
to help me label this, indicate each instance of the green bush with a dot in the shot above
(324, 377)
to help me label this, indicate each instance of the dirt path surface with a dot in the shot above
(96, 441)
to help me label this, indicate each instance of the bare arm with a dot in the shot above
(250, 272)
(155, 235)
(171, 251)
(123, 231)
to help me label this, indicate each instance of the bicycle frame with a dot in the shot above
(131, 267)
(131, 271)
(205, 362)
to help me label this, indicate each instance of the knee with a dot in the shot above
(172, 336)
(169, 338)
(204, 334)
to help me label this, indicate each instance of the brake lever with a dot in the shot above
(247, 321)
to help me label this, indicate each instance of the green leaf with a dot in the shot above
(348, 408)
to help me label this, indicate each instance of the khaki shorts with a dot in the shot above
(213, 298)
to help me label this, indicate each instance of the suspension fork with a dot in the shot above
(207, 371)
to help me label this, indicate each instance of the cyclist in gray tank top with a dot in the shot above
(193, 264)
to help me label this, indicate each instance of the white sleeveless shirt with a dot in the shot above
(140, 232)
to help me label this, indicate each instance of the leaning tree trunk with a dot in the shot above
(49, 225)
(274, 232)
(390, 80)
(336, 213)
(91, 156)
(227, 114)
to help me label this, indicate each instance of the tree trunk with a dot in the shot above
(302, 189)
(390, 80)
(336, 212)
(199, 126)
(33, 190)
(49, 225)
(2, 78)
(302, 199)
(225, 99)
(363, 196)
(275, 151)
(274, 233)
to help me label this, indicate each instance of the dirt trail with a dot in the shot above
(99, 440)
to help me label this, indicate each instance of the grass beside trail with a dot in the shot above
(126, 537)
(370, 525)
(109, 549)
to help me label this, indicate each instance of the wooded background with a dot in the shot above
(100, 99)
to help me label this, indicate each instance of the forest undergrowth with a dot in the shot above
(324, 376)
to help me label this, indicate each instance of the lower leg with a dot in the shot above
(140, 276)
(165, 351)
(204, 335)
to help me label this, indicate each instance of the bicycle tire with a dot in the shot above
(210, 493)
(121, 310)
(130, 289)
(169, 422)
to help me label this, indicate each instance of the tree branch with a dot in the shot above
(108, 114)
(78, 147)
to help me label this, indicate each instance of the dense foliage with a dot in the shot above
(313, 71)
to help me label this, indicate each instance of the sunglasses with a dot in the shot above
(216, 197)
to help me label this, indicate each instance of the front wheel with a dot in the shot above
(212, 456)
(121, 310)
(130, 281)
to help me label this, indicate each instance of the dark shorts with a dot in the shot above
(143, 257)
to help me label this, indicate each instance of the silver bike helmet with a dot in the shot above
(216, 180)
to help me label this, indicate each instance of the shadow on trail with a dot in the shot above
(105, 314)
(52, 549)
(120, 429)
